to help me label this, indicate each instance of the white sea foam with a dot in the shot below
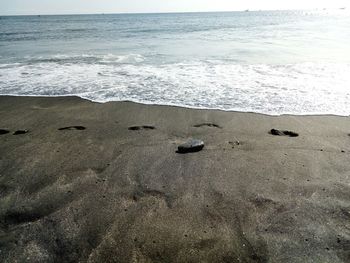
(126, 59)
(301, 88)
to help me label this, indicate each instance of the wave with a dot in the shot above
(81, 59)
(123, 59)
(301, 88)
(78, 30)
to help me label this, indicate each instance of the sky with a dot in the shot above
(34, 7)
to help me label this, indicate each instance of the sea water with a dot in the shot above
(273, 62)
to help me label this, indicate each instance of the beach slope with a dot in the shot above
(89, 182)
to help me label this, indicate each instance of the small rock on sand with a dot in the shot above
(192, 145)
(283, 133)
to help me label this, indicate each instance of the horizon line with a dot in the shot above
(172, 12)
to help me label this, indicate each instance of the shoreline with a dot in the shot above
(81, 186)
(315, 114)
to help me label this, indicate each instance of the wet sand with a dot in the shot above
(96, 182)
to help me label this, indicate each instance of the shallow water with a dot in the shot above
(271, 62)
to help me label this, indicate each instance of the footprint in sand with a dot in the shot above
(80, 128)
(283, 133)
(144, 127)
(20, 132)
(211, 125)
(4, 131)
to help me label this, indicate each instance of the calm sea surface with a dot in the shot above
(269, 62)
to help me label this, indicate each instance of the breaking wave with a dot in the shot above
(301, 88)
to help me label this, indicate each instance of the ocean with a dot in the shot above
(272, 62)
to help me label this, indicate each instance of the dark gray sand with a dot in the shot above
(96, 182)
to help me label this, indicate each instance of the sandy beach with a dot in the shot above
(94, 182)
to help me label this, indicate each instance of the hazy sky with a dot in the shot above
(120, 6)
